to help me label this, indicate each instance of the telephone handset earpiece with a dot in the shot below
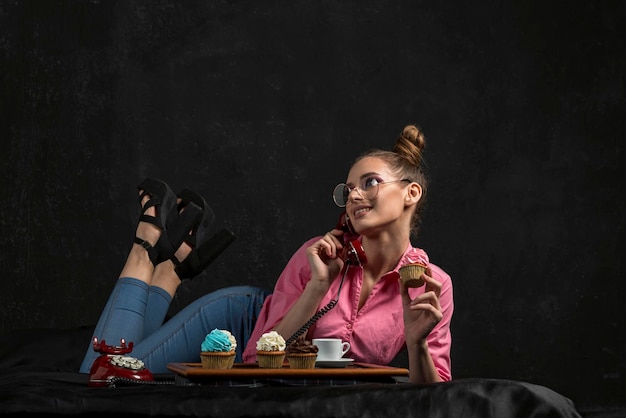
(345, 225)
(353, 252)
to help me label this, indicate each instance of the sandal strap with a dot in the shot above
(155, 201)
(153, 254)
(178, 227)
(163, 199)
(201, 231)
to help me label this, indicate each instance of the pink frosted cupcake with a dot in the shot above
(411, 273)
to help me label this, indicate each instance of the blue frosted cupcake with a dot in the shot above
(217, 351)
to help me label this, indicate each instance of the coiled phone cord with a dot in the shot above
(118, 381)
(322, 311)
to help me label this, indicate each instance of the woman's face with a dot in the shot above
(373, 201)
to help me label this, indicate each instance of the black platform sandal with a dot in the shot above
(204, 248)
(174, 224)
(200, 258)
(201, 232)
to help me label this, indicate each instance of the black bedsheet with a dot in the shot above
(38, 376)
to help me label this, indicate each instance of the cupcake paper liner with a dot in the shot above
(217, 360)
(411, 274)
(302, 360)
(270, 359)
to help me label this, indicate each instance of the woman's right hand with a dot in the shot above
(325, 261)
(325, 257)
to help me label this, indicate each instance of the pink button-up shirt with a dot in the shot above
(376, 331)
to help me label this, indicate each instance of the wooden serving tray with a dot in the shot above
(252, 370)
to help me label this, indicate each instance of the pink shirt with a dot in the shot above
(376, 331)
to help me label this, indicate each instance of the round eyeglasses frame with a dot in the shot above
(341, 193)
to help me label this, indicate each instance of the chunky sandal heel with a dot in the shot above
(205, 248)
(201, 232)
(178, 226)
(200, 258)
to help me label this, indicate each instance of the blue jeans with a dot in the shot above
(135, 312)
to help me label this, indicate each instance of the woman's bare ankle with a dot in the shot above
(138, 265)
(166, 278)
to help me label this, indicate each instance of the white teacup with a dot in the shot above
(330, 349)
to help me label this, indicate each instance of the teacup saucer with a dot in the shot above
(342, 362)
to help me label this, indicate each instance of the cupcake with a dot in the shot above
(270, 350)
(217, 351)
(301, 354)
(411, 274)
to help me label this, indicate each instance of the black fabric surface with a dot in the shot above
(38, 376)
(44, 349)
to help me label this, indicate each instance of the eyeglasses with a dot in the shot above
(368, 190)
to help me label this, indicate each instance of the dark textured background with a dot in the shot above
(262, 106)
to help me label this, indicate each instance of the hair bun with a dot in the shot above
(410, 144)
(413, 133)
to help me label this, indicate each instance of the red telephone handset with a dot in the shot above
(353, 255)
(345, 225)
(113, 363)
(353, 252)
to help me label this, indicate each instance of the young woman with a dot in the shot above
(374, 311)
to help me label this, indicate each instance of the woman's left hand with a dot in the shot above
(423, 313)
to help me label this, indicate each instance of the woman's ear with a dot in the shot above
(414, 193)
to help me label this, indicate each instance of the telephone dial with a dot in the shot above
(113, 364)
(353, 255)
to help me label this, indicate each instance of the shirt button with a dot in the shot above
(349, 326)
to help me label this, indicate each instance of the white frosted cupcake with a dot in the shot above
(270, 350)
